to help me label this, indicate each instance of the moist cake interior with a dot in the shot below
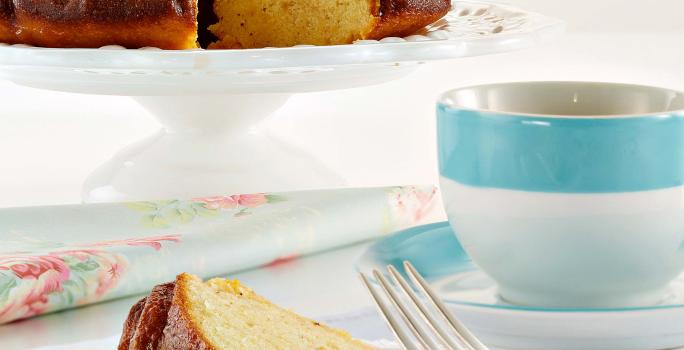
(231, 316)
(243, 24)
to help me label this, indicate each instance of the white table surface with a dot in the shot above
(50, 141)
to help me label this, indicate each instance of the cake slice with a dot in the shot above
(223, 315)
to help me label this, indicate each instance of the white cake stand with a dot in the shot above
(211, 102)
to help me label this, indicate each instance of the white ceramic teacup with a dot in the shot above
(568, 194)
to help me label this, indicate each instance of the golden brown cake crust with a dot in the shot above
(131, 324)
(180, 333)
(153, 318)
(167, 24)
(160, 321)
(405, 17)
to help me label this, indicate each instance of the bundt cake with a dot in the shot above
(219, 314)
(186, 24)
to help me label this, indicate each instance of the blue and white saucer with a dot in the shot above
(438, 255)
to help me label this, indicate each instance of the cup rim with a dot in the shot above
(445, 97)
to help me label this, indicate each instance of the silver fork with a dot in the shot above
(427, 331)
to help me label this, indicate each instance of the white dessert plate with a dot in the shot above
(438, 255)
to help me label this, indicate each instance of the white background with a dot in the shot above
(50, 141)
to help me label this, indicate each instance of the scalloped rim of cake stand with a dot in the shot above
(470, 29)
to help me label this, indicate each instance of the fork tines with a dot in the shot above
(430, 325)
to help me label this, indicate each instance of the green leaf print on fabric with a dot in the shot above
(166, 214)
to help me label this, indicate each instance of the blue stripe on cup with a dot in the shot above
(569, 155)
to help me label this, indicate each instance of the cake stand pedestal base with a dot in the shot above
(211, 142)
(208, 145)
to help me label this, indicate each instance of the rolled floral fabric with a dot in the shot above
(59, 257)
